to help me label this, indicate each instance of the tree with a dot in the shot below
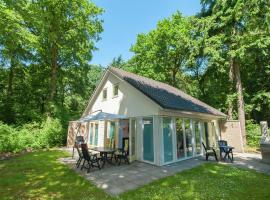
(118, 62)
(42, 45)
(16, 47)
(163, 53)
(231, 24)
(67, 31)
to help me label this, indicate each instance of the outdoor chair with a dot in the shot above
(222, 150)
(122, 153)
(80, 156)
(209, 152)
(89, 159)
(78, 141)
(226, 150)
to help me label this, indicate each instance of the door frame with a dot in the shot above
(132, 157)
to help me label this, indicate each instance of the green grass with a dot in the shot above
(39, 175)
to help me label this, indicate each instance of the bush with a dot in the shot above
(253, 132)
(34, 135)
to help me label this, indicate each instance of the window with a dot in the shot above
(96, 134)
(188, 134)
(180, 139)
(91, 133)
(115, 90)
(104, 94)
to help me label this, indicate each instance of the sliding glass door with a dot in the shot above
(197, 138)
(148, 140)
(180, 139)
(188, 134)
(188, 138)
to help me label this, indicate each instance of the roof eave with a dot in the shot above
(192, 114)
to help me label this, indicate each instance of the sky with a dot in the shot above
(125, 19)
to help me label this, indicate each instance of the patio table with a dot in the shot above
(228, 150)
(104, 154)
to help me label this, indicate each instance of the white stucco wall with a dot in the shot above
(129, 101)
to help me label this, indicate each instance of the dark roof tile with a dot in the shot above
(166, 96)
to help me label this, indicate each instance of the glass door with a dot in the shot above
(167, 140)
(180, 139)
(188, 135)
(148, 140)
(197, 138)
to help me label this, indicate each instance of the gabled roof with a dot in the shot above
(166, 96)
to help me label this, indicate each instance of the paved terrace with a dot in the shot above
(117, 179)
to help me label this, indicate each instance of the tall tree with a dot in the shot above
(16, 46)
(67, 31)
(163, 52)
(232, 20)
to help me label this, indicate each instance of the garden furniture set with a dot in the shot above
(225, 151)
(97, 157)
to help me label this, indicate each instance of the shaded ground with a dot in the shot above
(40, 175)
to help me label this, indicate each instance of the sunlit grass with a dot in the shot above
(209, 181)
(39, 175)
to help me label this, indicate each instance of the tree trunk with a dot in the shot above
(53, 72)
(10, 81)
(9, 114)
(240, 101)
(174, 72)
(231, 78)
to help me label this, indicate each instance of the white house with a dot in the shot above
(157, 122)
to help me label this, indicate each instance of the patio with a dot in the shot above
(116, 179)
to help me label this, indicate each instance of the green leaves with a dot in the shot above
(163, 53)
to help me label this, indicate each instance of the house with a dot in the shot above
(158, 123)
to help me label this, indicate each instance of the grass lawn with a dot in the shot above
(38, 175)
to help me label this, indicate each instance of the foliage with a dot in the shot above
(33, 135)
(39, 175)
(253, 134)
(45, 50)
(222, 55)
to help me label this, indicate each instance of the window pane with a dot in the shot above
(148, 143)
(197, 138)
(96, 134)
(180, 148)
(91, 134)
(167, 140)
(104, 94)
(115, 90)
(188, 134)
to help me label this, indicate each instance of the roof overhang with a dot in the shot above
(190, 114)
(101, 116)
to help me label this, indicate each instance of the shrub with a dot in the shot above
(253, 132)
(48, 133)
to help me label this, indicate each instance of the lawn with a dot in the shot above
(39, 175)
